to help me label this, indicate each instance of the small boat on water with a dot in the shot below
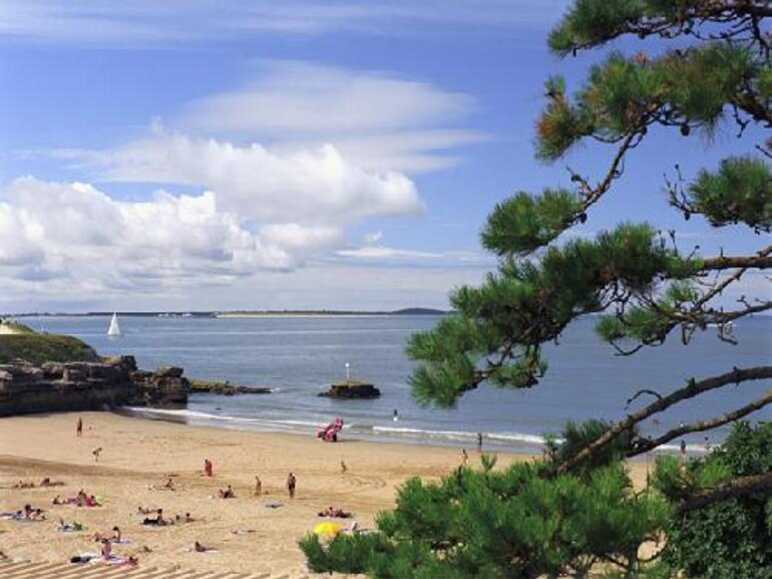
(114, 330)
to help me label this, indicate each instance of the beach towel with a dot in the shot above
(114, 560)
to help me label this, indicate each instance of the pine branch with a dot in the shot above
(763, 260)
(745, 15)
(644, 445)
(590, 194)
(738, 487)
(692, 389)
(696, 315)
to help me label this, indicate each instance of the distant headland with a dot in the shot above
(243, 313)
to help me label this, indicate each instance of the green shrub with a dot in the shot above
(731, 539)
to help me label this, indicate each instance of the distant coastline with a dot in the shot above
(241, 313)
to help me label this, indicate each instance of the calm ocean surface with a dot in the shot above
(301, 356)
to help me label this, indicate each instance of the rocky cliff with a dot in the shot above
(51, 387)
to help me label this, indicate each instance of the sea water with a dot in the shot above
(300, 356)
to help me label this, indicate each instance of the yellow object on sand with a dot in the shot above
(328, 529)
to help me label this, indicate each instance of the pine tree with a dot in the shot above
(576, 510)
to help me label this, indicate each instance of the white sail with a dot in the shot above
(114, 329)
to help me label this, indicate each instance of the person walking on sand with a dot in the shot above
(207, 467)
(79, 427)
(343, 467)
(96, 452)
(258, 486)
(291, 482)
(464, 457)
(479, 441)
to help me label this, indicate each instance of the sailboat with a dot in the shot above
(114, 329)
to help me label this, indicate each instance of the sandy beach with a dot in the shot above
(140, 455)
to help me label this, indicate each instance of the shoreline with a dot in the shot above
(507, 442)
(264, 427)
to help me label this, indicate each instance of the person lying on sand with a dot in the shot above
(114, 560)
(145, 510)
(32, 514)
(47, 482)
(334, 513)
(167, 486)
(24, 485)
(81, 500)
(186, 518)
(199, 548)
(226, 493)
(158, 520)
(73, 527)
(115, 537)
(58, 500)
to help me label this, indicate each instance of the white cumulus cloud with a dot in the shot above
(310, 185)
(76, 232)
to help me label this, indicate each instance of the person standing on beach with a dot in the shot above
(207, 467)
(79, 427)
(258, 486)
(683, 452)
(464, 457)
(291, 482)
(479, 441)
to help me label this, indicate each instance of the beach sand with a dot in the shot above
(139, 454)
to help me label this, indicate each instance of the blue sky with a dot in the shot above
(219, 155)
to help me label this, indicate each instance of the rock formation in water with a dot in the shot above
(352, 389)
(70, 386)
(224, 388)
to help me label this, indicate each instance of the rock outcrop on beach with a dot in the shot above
(69, 386)
(164, 387)
(352, 389)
